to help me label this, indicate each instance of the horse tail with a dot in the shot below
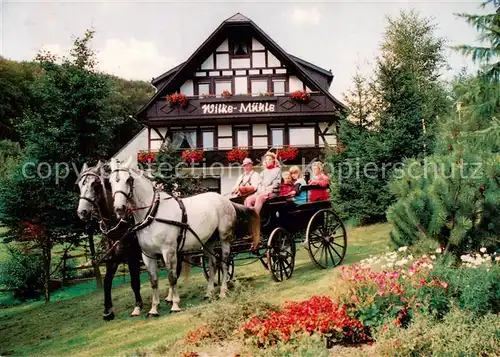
(247, 222)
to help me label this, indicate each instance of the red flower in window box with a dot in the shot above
(287, 153)
(237, 155)
(226, 94)
(177, 99)
(193, 155)
(146, 157)
(300, 96)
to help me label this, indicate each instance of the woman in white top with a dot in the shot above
(248, 181)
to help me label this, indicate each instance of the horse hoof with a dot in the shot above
(109, 316)
(168, 301)
(151, 316)
(136, 312)
(175, 311)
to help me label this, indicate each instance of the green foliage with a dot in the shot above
(393, 118)
(22, 272)
(15, 81)
(460, 333)
(488, 26)
(169, 171)
(476, 290)
(453, 196)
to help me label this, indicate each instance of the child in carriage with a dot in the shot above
(287, 186)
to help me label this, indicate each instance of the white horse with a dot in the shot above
(157, 216)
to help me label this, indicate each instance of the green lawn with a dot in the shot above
(72, 323)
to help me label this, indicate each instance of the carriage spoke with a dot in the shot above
(335, 250)
(331, 255)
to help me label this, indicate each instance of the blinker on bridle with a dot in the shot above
(93, 202)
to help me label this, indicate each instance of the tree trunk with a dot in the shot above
(97, 271)
(47, 257)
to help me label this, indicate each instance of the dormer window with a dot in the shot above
(239, 48)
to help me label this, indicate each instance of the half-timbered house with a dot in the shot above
(239, 89)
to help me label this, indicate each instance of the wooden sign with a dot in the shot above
(240, 108)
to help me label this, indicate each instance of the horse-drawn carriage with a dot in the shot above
(207, 228)
(284, 224)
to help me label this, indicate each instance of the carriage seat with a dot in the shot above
(307, 188)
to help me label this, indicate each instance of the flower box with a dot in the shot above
(146, 157)
(193, 155)
(237, 155)
(177, 99)
(226, 94)
(300, 96)
(287, 153)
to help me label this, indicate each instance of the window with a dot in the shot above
(258, 86)
(220, 86)
(279, 86)
(240, 48)
(208, 140)
(184, 139)
(277, 136)
(242, 138)
(203, 88)
(302, 136)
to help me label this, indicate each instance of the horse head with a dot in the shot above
(90, 182)
(122, 183)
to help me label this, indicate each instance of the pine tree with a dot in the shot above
(360, 101)
(453, 197)
(489, 28)
(168, 171)
(406, 99)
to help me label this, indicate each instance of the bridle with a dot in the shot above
(130, 180)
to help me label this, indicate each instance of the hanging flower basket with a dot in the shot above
(226, 94)
(300, 96)
(193, 155)
(146, 157)
(177, 99)
(237, 155)
(287, 153)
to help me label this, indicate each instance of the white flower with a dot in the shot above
(438, 250)
(403, 249)
(431, 266)
(482, 250)
(463, 258)
(433, 257)
(410, 257)
(497, 259)
(424, 257)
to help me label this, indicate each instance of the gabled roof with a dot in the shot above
(220, 34)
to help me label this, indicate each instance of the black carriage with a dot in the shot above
(284, 224)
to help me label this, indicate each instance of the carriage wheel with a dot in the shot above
(218, 269)
(280, 254)
(327, 238)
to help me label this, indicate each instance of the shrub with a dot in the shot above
(22, 272)
(460, 333)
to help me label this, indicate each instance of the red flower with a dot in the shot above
(193, 155)
(237, 155)
(226, 94)
(300, 95)
(177, 99)
(146, 157)
(287, 153)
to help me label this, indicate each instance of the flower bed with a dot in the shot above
(318, 315)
